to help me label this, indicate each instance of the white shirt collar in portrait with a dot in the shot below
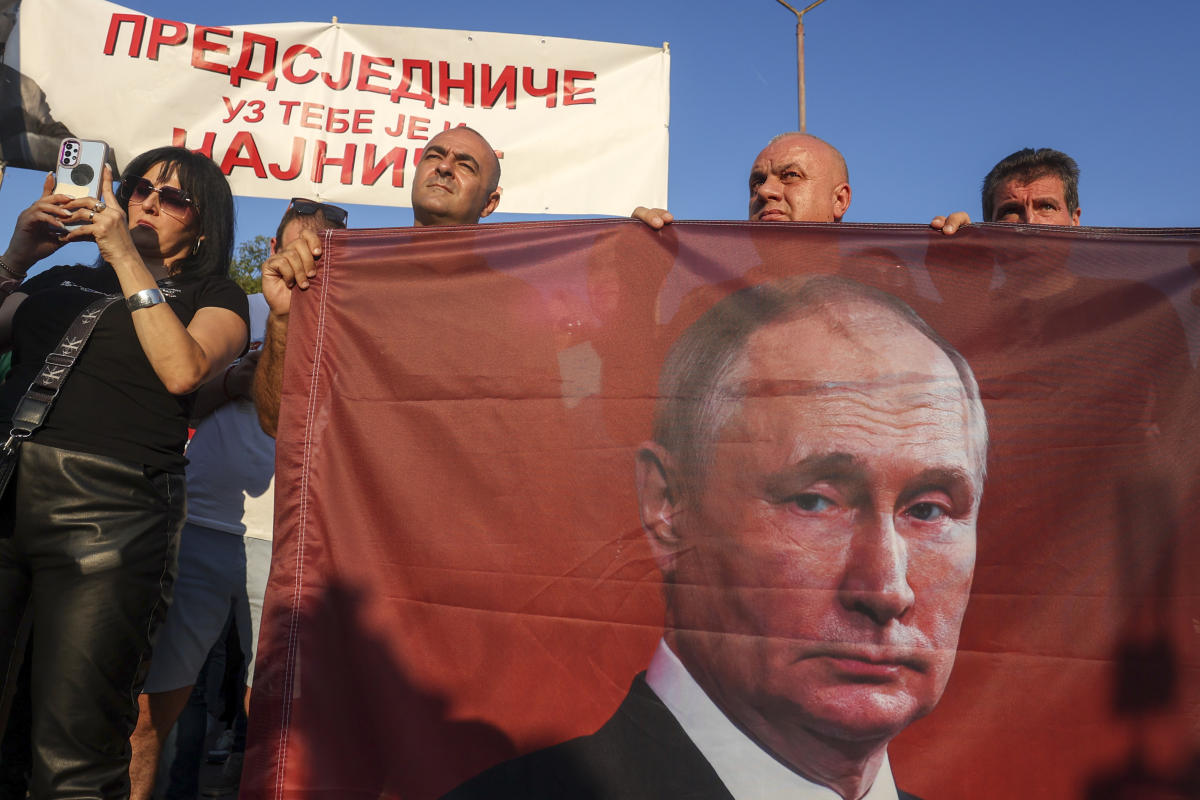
(748, 771)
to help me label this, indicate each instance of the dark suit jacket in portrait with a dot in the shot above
(641, 753)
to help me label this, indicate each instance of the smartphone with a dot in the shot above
(80, 163)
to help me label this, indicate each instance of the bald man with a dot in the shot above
(457, 182)
(796, 178)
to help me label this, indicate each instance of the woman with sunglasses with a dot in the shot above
(91, 518)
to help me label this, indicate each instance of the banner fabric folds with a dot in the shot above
(476, 511)
(339, 112)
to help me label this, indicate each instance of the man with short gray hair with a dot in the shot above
(810, 495)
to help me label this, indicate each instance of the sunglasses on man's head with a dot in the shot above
(333, 214)
(172, 201)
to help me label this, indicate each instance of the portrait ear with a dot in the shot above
(841, 201)
(659, 501)
(274, 247)
(1075, 216)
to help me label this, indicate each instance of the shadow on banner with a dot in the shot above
(507, 563)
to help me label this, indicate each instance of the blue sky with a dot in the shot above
(922, 98)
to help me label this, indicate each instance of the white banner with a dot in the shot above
(341, 112)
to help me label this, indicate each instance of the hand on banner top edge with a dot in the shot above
(290, 268)
(654, 217)
(950, 224)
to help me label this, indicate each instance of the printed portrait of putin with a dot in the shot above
(810, 495)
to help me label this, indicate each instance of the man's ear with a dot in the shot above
(1075, 216)
(492, 201)
(841, 201)
(659, 502)
(274, 249)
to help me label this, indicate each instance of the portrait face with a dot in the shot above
(799, 179)
(817, 576)
(453, 179)
(1041, 201)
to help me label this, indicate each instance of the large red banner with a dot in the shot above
(481, 488)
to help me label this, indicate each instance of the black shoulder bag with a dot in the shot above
(34, 407)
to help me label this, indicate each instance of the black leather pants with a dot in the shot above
(92, 555)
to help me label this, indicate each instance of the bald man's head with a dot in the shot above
(457, 181)
(799, 178)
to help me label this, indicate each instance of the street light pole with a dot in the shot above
(800, 54)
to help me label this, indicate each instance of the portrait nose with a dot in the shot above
(875, 582)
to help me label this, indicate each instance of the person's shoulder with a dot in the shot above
(204, 284)
(79, 275)
(216, 290)
(69, 272)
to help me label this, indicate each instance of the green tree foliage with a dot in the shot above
(247, 259)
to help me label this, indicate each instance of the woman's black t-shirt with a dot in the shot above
(112, 403)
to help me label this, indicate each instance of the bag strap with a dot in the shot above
(34, 407)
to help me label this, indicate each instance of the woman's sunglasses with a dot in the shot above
(333, 214)
(174, 202)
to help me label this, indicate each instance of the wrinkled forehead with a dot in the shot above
(846, 342)
(1040, 183)
(460, 140)
(811, 153)
(859, 373)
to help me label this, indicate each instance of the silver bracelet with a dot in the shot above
(144, 299)
(18, 276)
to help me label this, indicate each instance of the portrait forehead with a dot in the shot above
(851, 378)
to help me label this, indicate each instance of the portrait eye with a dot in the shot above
(811, 502)
(927, 512)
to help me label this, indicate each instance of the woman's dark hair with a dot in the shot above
(203, 181)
